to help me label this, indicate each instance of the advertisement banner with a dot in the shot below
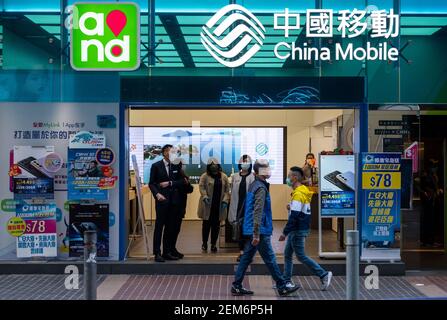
(85, 217)
(85, 175)
(337, 189)
(30, 179)
(37, 125)
(381, 187)
(87, 140)
(40, 236)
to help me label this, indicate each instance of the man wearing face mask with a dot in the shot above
(298, 228)
(240, 183)
(258, 226)
(165, 181)
(214, 197)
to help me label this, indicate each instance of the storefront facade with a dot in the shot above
(46, 96)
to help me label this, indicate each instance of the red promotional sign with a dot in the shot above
(412, 152)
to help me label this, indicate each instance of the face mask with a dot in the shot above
(172, 157)
(245, 166)
(289, 182)
(214, 168)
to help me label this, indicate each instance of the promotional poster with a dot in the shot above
(85, 217)
(29, 178)
(381, 187)
(337, 178)
(40, 236)
(33, 125)
(84, 175)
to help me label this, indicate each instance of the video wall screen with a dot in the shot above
(195, 145)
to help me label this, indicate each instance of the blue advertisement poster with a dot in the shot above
(381, 187)
(337, 185)
(84, 175)
(29, 188)
(40, 236)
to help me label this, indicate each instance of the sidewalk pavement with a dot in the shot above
(213, 287)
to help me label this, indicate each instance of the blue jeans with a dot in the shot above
(295, 243)
(266, 251)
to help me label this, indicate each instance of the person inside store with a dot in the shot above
(431, 196)
(258, 226)
(298, 228)
(164, 184)
(240, 183)
(214, 189)
(310, 170)
(183, 190)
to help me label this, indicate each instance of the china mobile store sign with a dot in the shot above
(234, 35)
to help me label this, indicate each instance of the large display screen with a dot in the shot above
(197, 144)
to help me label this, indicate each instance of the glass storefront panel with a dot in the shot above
(416, 132)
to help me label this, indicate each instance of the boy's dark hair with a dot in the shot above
(259, 165)
(166, 146)
(310, 154)
(297, 171)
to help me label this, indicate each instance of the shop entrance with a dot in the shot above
(284, 136)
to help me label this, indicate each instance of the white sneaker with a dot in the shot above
(289, 284)
(326, 281)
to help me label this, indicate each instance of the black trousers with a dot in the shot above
(176, 227)
(164, 226)
(427, 224)
(213, 225)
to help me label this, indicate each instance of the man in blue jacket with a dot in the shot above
(259, 227)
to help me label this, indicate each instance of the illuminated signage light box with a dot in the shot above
(196, 145)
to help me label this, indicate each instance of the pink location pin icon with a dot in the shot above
(116, 20)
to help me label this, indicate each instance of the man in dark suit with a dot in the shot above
(165, 181)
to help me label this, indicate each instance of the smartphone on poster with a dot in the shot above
(26, 164)
(348, 179)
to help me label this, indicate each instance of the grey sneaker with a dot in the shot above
(289, 284)
(326, 281)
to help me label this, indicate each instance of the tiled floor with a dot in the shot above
(213, 287)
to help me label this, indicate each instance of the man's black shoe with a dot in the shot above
(158, 258)
(288, 290)
(240, 291)
(178, 254)
(169, 256)
(213, 249)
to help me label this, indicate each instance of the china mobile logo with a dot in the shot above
(105, 36)
(233, 35)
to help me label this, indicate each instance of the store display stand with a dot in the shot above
(324, 254)
(140, 219)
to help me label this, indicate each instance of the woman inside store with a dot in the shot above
(239, 185)
(310, 170)
(213, 204)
